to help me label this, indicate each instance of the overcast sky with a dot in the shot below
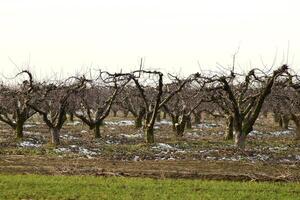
(65, 36)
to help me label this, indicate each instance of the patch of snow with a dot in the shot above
(156, 127)
(164, 122)
(31, 133)
(276, 149)
(84, 131)
(79, 112)
(132, 136)
(206, 125)
(28, 125)
(120, 123)
(68, 137)
(192, 134)
(86, 152)
(211, 158)
(136, 158)
(62, 150)
(255, 132)
(75, 123)
(297, 157)
(162, 146)
(29, 144)
(280, 133)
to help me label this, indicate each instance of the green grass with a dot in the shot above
(88, 187)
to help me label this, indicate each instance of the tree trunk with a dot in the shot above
(164, 115)
(197, 118)
(276, 117)
(285, 121)
(158, 117)
(180, 126)
(19, 129)
(297, 132)
(55, 136)
(125, 112)
(188, 122)
(174, 122)
(71, 117)
(138, 121)
(97, 133)
(280, 122)
(265, 114)
(149, 135)
(240, 140)
(115, 113)
(229, 128)
(296, 120)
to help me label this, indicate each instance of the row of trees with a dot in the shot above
(239, 98)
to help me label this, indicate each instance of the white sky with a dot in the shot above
(65, 36)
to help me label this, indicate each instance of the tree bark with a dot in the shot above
(164, 115)
(174, 121)
(297, 132)
(138, 121)
(240, 140)
(71, 117)
(97, 133)
(149, 135)
(285, 121)
(229, 128)
(180, 126)
(115, 113)
(280, 122)
(158, 117)
(55, 136)
(188, 122)
(125, 113)
(19, 129)
(197, 118)
(296, 120)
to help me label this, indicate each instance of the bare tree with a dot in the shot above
(245, 100)
(14, 110)
(51, 102)
(156, 99)
(96, 101)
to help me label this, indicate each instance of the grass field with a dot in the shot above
(89, 187)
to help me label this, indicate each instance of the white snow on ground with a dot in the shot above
(62, 150)
(206, 125)
(29, 144)
(255, 132)
(192, 134)
(29, 125)
(74, 148)
(86, 152)
(75, 123)
(281, 133)
(164, 122)
(163, 146)
(277, 149)
(120, 123)
(297, 157)
(68, 137)
(136, 158)
(132, 136)
(31, 133)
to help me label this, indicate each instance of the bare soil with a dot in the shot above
(272, 154)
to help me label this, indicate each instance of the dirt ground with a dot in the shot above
(271, 153)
